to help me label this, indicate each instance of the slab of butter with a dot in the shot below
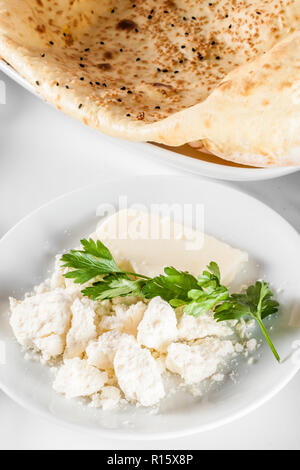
(148, 243)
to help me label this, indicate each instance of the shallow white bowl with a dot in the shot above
(184, 158)
(26, 255)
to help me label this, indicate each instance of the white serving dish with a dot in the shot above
(26, 254)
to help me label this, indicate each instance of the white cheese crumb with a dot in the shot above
(159, 325)
(239, 348)
(126, 319)
(161, 362)
(103, 308)
(95, 401)
(101, 353)
(243, 327)
(57, 279)
(76, 378)
(218, 377)
(191, 328)
(198, 362)
(50, 346)
(251, 344)
(83, 328)
(138, 374)
(41, 321)
(110, 397)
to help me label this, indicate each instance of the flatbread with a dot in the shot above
(223, 75)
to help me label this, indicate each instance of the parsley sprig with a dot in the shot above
(180, 289)
(255, 303)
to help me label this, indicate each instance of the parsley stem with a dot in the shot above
(135, 275)
(266, 335)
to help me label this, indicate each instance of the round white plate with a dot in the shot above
(26, 255)
(184, 158)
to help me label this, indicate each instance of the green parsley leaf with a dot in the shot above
(94, 260)
(172, 287)
(114, 286)
(211, 278)
(205, 300)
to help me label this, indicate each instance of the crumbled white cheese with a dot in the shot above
(110, 397)
(191, 328)
(41, 321)
(126, 347)
(161, 362)
(83, 328)
(57, 279)
(158, 328)
(251, 345)
(76, 378)
(126, 319)
(243, 327)
(103, 308)
(197, 362)
(40, 289)
(239, 348)
(218, 377)
(138, 374)
(101, 353)
(50, 346)
(131, 317)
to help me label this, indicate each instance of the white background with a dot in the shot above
(44, 154)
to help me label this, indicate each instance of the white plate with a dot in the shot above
(184, 158)
(26, 254)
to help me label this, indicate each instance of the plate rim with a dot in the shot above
(130, 435)
(151, 436)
